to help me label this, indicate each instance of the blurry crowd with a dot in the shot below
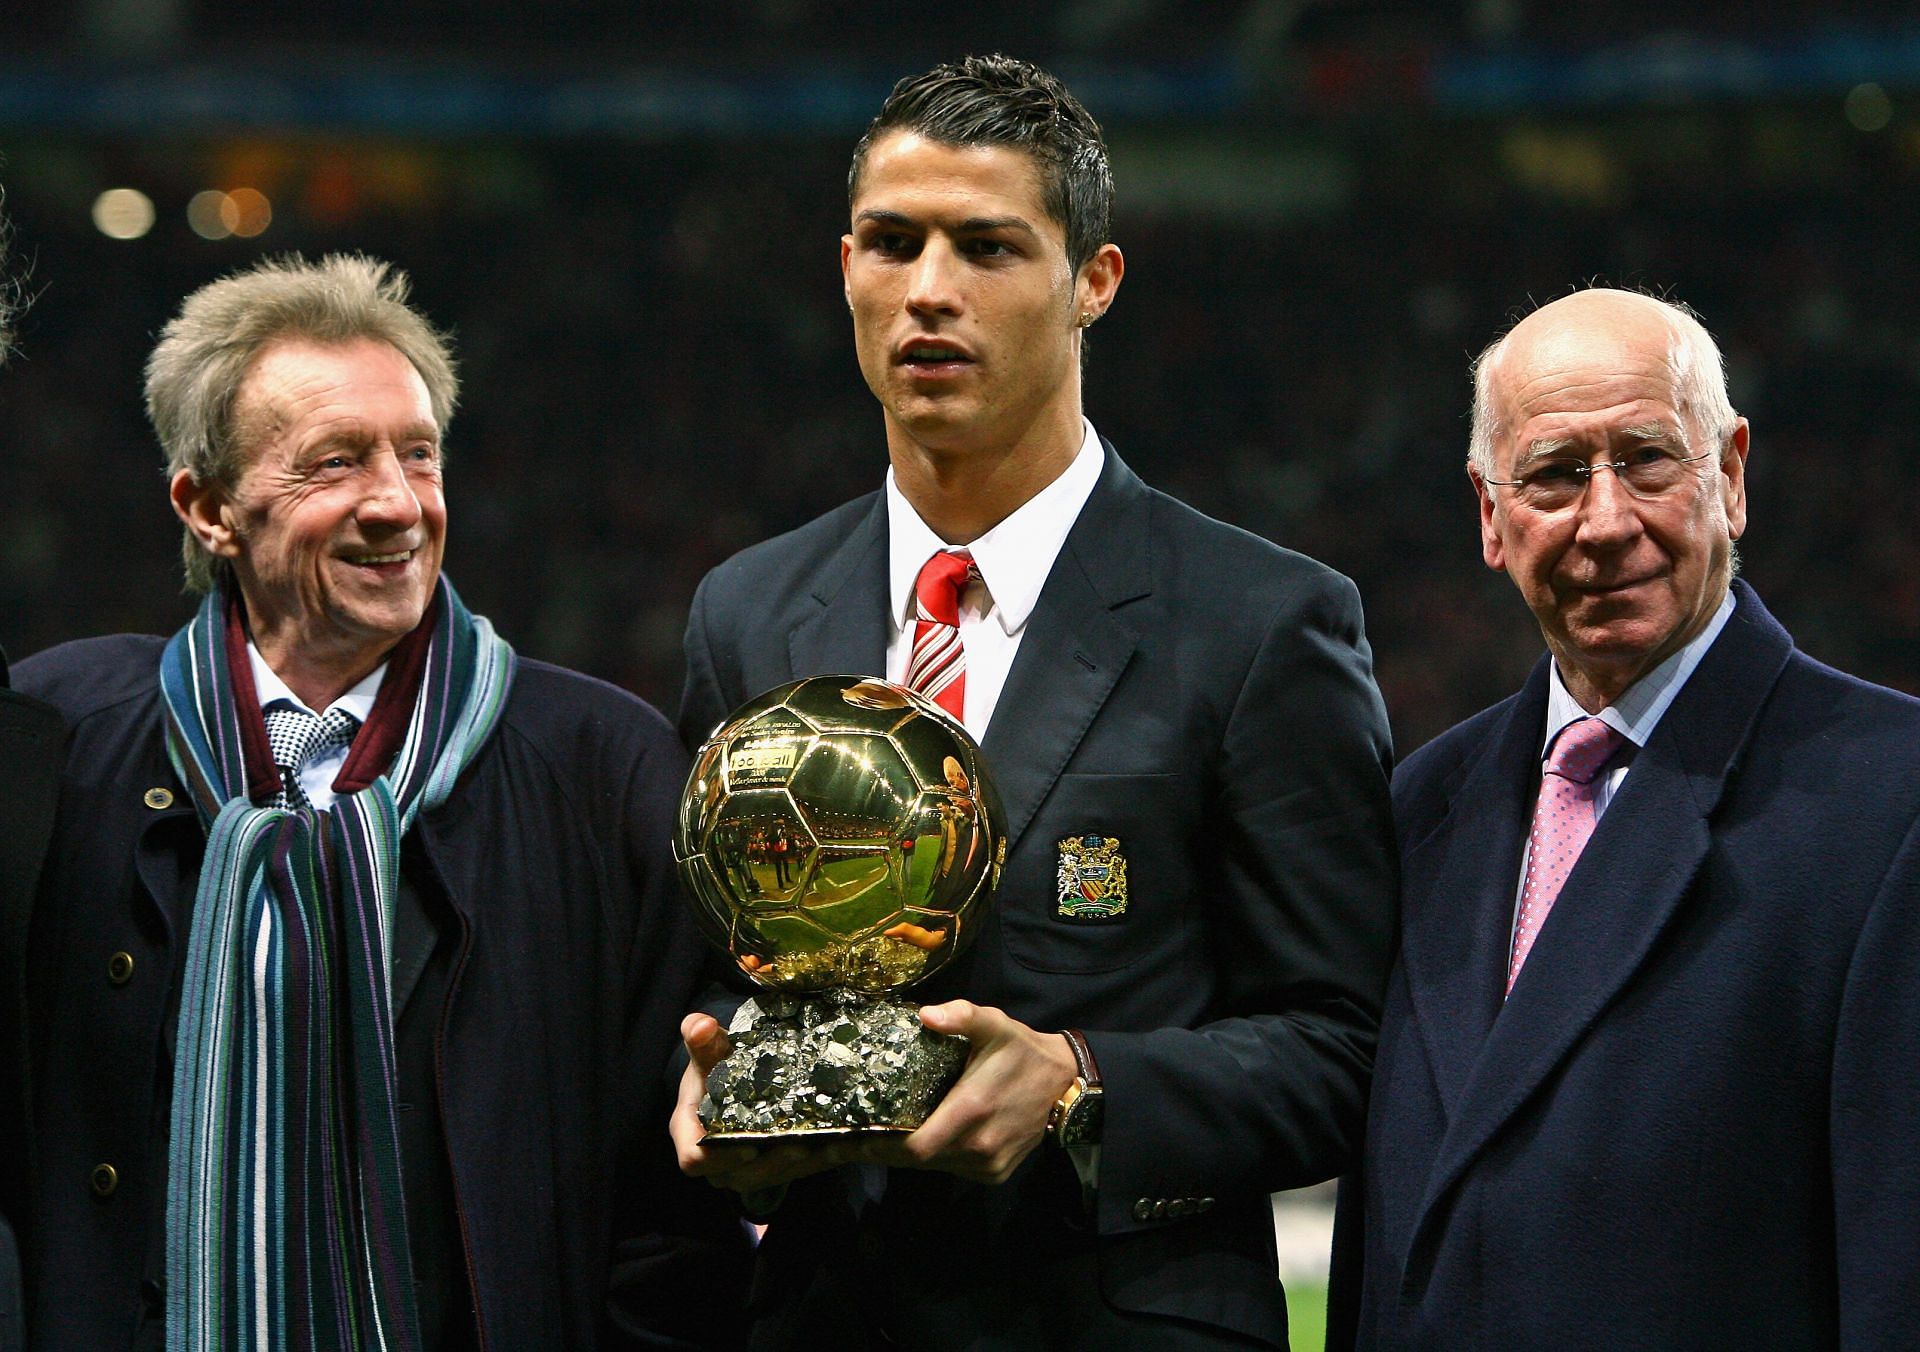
(658, 371)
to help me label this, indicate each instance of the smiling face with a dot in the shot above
(1617, 583)
(966, 312)
(336, 525)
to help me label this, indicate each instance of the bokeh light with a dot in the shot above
(123, 213)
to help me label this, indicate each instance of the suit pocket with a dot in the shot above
(1102, 876)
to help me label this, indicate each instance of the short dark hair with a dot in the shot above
(1000, 101)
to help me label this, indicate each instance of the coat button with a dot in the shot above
(120, 968)
(104, 1179)
(157, 798)
(1143, 1209)
(1177, 1207)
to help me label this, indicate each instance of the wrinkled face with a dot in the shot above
(963, 303)
(1617, 583)
(338, 521)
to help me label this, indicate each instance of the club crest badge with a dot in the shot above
(1093, 878)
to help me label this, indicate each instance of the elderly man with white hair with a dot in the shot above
(1647, 1066)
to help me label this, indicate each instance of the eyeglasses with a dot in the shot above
(1552, 485)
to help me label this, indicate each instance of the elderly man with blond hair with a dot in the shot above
(1646, 1075)
(358, 958)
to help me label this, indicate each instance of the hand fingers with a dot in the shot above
(707, 1042)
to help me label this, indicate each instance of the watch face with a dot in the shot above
(1083, 1120)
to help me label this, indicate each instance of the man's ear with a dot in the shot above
(205, 509)
(1098, 281)
(1493, 548)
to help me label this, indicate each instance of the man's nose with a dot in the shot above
(933, 285)
(390, 499)
(1608, 513)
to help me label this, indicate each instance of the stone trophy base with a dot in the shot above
(834, 1064)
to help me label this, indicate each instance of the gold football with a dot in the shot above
(839, 832)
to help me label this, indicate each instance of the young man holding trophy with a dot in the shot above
(1171, 1000)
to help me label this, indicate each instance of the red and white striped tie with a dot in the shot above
(938, 667)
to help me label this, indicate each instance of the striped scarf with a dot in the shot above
(286, 1224)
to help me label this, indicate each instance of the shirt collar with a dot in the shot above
(1014, 557)
(272, 690)
(1637, 711)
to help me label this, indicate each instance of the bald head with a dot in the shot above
(1570, 333)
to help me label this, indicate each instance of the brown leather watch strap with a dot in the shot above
(1083, 1056)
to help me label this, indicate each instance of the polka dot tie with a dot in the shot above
(296, 737)
(938, 667)
(1562, 820)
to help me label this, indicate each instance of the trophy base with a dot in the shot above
(837, 1064)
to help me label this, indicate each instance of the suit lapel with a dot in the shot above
(1629, 884)
(842, 627)
(1074, 648)
(1464, 875)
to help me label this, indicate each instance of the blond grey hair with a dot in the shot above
(1700, 384)
(205, 352)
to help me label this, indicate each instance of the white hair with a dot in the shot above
(1700, 384)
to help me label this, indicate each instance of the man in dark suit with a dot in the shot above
(1171, 708)
(356, 965)
(1653, 1088)
(30, 735)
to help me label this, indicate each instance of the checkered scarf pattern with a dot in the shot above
(286, 1224)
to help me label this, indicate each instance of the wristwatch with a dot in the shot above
(1077, 1114)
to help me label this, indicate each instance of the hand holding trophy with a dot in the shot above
(839, 839)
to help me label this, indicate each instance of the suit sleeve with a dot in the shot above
(1876, 1120)
(680, 1259)
(1301, 912)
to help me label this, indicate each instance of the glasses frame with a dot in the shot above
(1585, 472)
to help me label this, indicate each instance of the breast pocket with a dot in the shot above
(1103, 874)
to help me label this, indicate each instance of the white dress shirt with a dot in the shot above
(1014, 559)
(318, 774)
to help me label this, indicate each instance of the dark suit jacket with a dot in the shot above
(573, 960)
(1694, 1124)
(1206, 698)
(30, 737)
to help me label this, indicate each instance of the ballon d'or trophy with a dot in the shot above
(840, 839)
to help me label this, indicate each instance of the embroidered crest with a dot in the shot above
(1093, 878)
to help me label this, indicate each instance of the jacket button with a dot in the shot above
(120, 968)
(1143, 1209)
(104, 1179)
(1177, 1207)
(157, 798)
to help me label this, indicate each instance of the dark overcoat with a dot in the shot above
(30, 739)
(1694, 1123)
(573, 960)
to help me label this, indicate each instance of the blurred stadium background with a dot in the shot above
(627, 211)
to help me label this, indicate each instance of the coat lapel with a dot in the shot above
(1074, 648)
(842, 627)
(1630, 882)
(1460, 881)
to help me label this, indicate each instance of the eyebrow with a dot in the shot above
(1658, 433)
(972, 225)
(361, 434)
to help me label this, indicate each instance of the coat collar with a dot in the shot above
(1630, 882)
(1072, 653)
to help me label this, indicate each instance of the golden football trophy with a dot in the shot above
(839, 839)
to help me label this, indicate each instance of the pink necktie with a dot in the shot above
(938, 667)
(1562, 821)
